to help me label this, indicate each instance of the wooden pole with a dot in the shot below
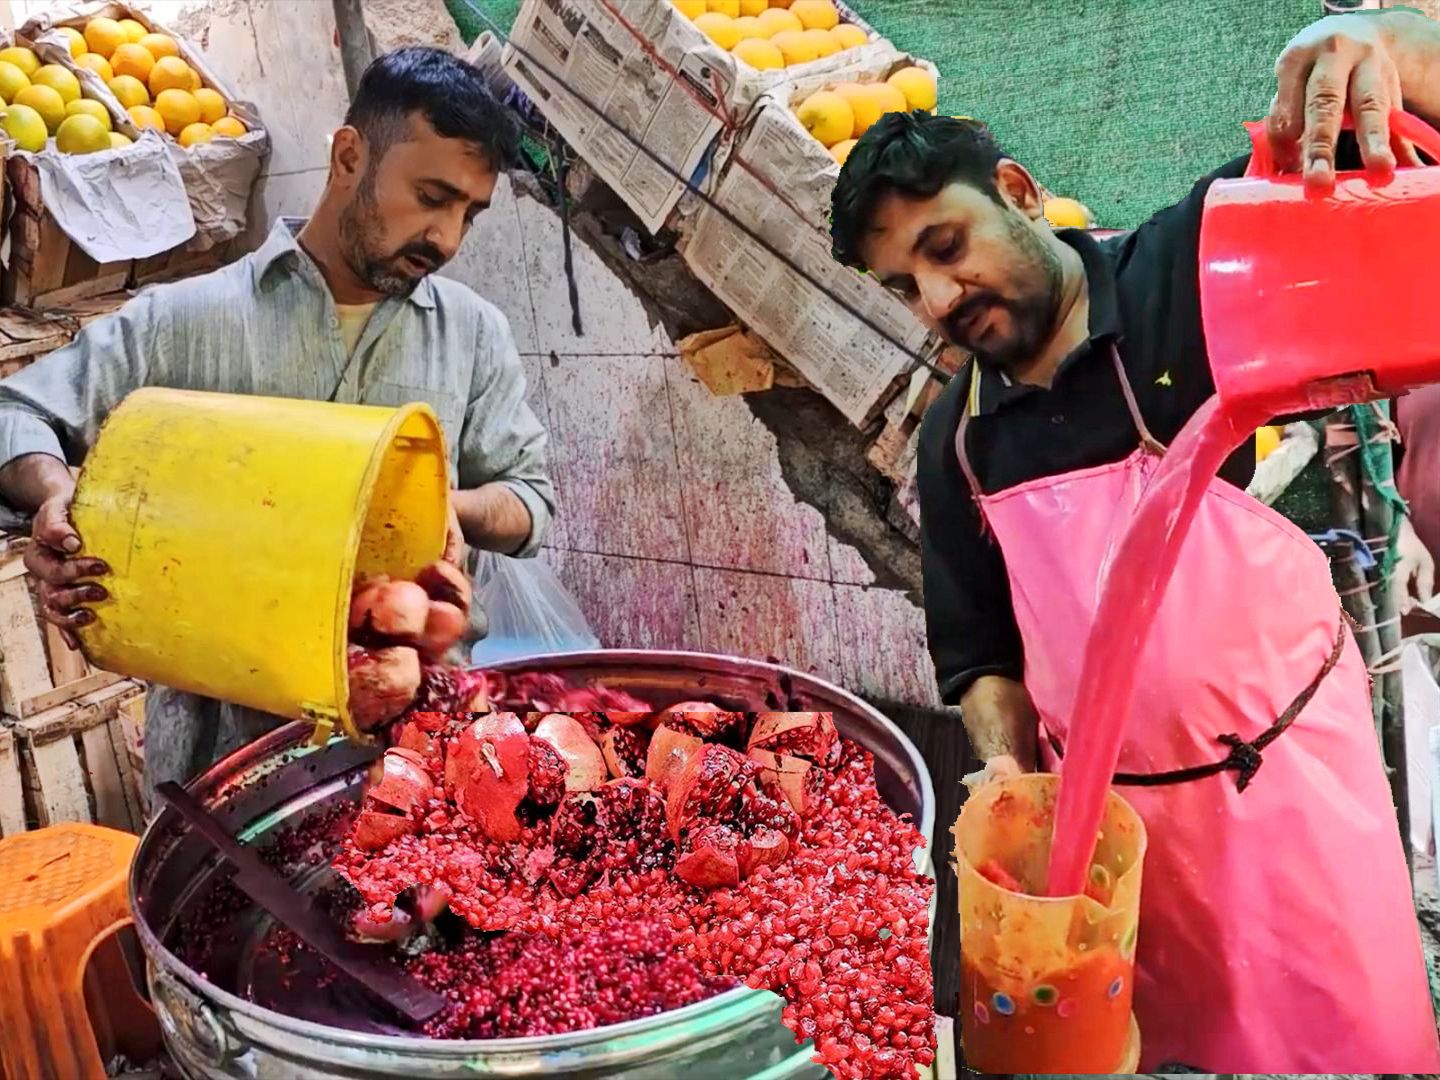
(1343, 465)
(355, 50)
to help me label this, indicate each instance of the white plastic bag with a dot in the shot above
(1422, 726)
(529, 611)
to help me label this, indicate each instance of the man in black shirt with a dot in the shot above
(1089, 358)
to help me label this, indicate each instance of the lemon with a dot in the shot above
(690, 8)
(86, 107)
(212, 105)
(796, 46)
(827, 116)
(719, 28)
(96, 63)
(824, 42)
(129, 91)
(918, 86)
(22, 58)
(134, 31)
(748, 26)
(104, 36)
(82, 134)
(178, 108)
(143, 116)
(61, 80)
(45, 101)
(728, 8)
(841, 150)
(1066, 214)
(74, 39)
(26, 127)
(815, 14)
(196, 133)
(777, 20)
(159, 45)
(849, 35)
(12, 81)
(119, 142)
(229, 127)
(170, 73)
(132, 59)
(758, 53)
(1266, 440)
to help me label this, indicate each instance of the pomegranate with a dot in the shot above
(548, 771)
(488, 772)
(444, 626)
(624, 751)
(795, 778)
(446, 584)
(810, 735)
(383, 682)
(398, 609)
(388, 809)
(709, 857)
(710, 788)
(700, 718)
(620, 827)
(670, 751)
(587, 764)
(599, 699)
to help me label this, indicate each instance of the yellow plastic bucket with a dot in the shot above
(233, 527)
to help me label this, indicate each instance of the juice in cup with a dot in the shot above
(1045, 982)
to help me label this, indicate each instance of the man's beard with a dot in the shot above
(359, 241)
(1032, 317)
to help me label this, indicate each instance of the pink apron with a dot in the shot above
(1277, 930)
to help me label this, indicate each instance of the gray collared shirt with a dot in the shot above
(267, 325)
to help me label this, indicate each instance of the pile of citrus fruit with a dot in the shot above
(773, 33)
(144, 71)
(839, 115)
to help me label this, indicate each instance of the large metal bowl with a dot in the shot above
(213, 1031)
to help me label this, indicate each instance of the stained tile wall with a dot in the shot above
(677, 529)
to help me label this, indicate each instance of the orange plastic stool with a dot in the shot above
(63, 895)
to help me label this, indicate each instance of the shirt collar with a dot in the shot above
(281, 249)
(995, 389)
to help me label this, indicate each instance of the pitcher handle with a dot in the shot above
(1403, 125)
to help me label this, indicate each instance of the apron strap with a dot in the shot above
(1244, 758)
(1148, 441)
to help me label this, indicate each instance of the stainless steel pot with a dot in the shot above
(213, 1031)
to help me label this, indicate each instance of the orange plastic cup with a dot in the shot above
(1045, 982)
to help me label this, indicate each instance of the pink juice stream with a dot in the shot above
(1130, 597)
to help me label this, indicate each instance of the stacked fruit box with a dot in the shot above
(777, 179)
(677, 86)
(99, 97)
(69, 733)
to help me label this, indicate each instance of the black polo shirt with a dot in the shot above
(1144, 298)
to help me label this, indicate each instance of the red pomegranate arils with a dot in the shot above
(784, 869)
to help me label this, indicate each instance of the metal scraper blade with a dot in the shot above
(297, 912)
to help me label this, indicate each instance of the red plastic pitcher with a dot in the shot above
(1323, 301)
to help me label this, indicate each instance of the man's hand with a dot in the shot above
(1339, 64)
(454, 538)
(1001, 721)
(1414, 575)
(51, 558)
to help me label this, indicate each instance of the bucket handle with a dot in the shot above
(1403, 125)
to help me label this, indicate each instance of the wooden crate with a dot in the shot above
(27, 335)
(38, 670)
(179, 263)
(47, 269)
(12, 789)
(73, 760)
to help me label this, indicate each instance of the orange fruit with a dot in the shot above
(212, 105)
(229, 127)
(104, 36)
(753, 7)
(134, 60)
(1066, 214)
(918, 86)
(827, 116)
(75, 39)
(849, 35)
(129, 91)
(824, 42)
(759, 53)
(797, 48)
(841, 150)
(728, 8)
(815, 14)
(158, 45)
(169, 73)
(96, 63)
(134, 31)
(143, 116)
(778, 19)
(718, 28)
(869, 101)
(196, 133)
(178, 108)
(748, 26)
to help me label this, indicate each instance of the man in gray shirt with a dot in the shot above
(345, 311)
